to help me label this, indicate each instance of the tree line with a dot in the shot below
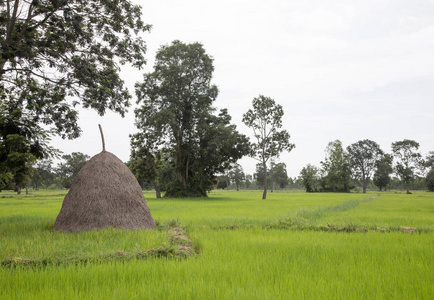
(342, 169)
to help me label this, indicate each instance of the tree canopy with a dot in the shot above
(176, 114)
(336, 168)
(364, 156)
(408, 161)
(57, 55)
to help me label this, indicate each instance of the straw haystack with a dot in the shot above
(104, 194)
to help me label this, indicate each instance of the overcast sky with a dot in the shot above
(341, 69)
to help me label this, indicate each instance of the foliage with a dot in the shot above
(145, 161)
(364, 156)
(176, 115)
(265, 119)
(430, 180)
(70, 168)
(279, 176)
(51, 54)
(43, 175)
(336, 169)
(237, 175)
(21, 145)
(53, 50)
(310, 178)
(383, 170)
(408, 162)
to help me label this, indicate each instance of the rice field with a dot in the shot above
(290, 246)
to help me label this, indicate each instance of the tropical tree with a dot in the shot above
(408, 161)
(176, 114)
(336, 168)
(55, 56)
(72, 164)
(383, 170)
(265, 119)
(310, 178)
(364, 156)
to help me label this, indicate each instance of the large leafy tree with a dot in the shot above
(176, 115)
(336, 168)
(363, 156)
(408, 161)
(56, 55)
(265, 119)
(383, 170)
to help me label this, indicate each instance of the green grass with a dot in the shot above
(241, 255)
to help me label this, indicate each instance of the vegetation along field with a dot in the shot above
(231, 245)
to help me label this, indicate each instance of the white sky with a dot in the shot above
(341, 69)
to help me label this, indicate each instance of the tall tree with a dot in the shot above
(56, 55)
(408, 161)
(383, 170)
(364, 156)
(265, 119)
(176, 113)
(309, 176)
(336, 168)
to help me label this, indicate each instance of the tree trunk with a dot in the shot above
(27, 189)
(364, 185)
(408, 188)
(18, 190)
(157, 190)
(264, 194)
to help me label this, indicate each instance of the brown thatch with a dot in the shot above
(104, 194)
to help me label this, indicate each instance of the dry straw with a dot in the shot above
(104, 194)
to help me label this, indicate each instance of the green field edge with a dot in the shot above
(179, 246)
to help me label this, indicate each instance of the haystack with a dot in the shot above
(104, 194)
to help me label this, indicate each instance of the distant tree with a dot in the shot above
(248, 181)
(237, 175)
(176, 110)
(429, 164)
(310, 178)
(364, 156)
(383, 170)
(44, 174)
(71, 166)
(266, 119)
(408, 161)
(336, 168)
(429, 160)
(223, 182)
(430, 180)
(280, 175)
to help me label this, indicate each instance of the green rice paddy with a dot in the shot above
(290, 246)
